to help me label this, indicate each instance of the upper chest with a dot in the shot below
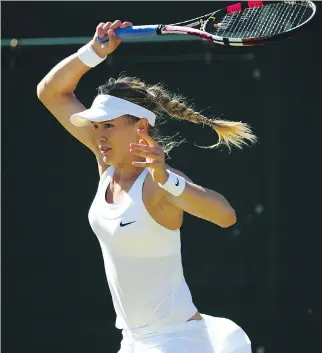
(116, 193)
(133, 227)
(145, 197)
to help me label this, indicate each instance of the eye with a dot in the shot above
(95, 126)
(107, 125)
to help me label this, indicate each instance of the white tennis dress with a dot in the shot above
(143, 267)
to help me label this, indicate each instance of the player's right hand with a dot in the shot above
(103, 29)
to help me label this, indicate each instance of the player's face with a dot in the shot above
(114, 138)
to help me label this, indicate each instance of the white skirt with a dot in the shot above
(209, 335)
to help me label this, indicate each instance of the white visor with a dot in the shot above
(106, 107)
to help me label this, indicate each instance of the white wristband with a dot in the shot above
(175, 184)
(88, 56)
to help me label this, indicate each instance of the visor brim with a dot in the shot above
(85, 117)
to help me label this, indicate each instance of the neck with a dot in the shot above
(124, 173)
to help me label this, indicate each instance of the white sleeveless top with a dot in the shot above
(142, 261)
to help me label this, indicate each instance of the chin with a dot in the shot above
(107, 160)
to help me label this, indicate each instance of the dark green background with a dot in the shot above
(263, 273)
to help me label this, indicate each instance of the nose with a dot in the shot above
(100, 136)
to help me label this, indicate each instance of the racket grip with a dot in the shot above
(132, 32)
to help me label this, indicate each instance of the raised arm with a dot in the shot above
(56, 89)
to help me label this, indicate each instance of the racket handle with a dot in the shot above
(132, 32)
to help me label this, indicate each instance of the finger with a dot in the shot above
(145, 164)
(145, 154)
(113, 39)
(116, 24)
(99, 29)
(106, 27)
(145, 148)
(146, 137)
(142, 142)
(126, 24)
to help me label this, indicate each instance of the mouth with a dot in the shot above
(105, 150)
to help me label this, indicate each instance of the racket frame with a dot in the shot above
(197, 27)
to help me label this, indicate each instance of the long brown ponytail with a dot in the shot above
(159, 100)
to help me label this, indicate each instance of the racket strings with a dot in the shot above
(249, 19)
(251, 23)
(275, 20)
(269, 17)
(287, 18)
(282, 20)
(262, 21)
(301, 15)
(226, 27)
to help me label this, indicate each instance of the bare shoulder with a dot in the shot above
(158, 206)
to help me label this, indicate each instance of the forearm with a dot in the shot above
(207, 204)
(199, 201)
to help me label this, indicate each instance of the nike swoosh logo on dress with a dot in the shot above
(125, 224)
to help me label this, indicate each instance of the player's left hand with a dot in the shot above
(154, 157)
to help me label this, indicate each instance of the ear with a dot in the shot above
(142, 124)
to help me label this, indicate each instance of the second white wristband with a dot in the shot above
(88, 56)
(175, 184)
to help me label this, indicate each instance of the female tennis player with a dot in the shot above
(138, 209)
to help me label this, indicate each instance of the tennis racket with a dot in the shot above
(242, 24)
